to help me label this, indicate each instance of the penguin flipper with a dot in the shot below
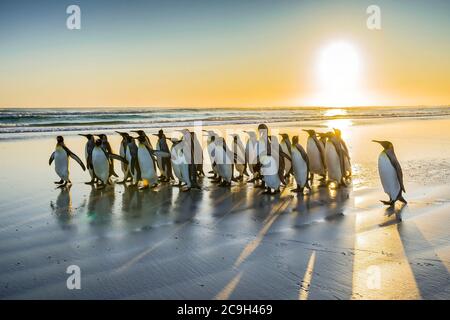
(117, 157)
(75, 157)
(52, 157)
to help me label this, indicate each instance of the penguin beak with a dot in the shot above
(154, 134)
(83, 135)
(377, 141)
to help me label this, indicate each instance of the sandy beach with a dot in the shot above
(232, 243)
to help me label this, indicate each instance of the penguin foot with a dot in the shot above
(251, 180)
(388, 203)
(299, 190)
(59, 182)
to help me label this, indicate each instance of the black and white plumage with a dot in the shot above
(61, 157)
(164, 163)
(300, 165)
(316, 155)
(391, 174)
(101, 162)
(285, 145)
(238, 150)
(123, 153)
(89, 147)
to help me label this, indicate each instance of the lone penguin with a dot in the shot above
(61, 157)
(391, 174)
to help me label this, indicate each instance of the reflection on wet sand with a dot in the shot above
(62, 207)
(100, 205)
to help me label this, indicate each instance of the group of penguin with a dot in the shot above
(270, 162)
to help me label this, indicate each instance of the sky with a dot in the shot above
(234, 53)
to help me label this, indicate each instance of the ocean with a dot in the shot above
(26, 122)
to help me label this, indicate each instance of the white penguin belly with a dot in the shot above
(269, 170)
(315, 161)
(62, 164)
(123, 165)
(300, 168)
(388, 176)
(333, 163)
(176, 163)
(147, 166)
(100, 164)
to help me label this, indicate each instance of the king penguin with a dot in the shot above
(300, 165)
(101, 162)
(147, 162)
(391, 174)
(107, 147)
(123, 154)
(334, 159)
(285, 146)
(180, 165)
(345, 153)
(61, 156)
(90, 144)
(316, 155)
(164, 163)
(141, 133)
(251, 153)
(133, 164)
(238, 150)
(210, 148)
(223, 161)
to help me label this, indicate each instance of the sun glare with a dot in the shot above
(338, 75)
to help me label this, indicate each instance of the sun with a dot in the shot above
(338, 75)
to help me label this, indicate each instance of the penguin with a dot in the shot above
(334, 159)
(107, 147)
(147, 162)
(88, 156)
(391, 174)
(193, 153)
(223, 161)
(164, 163)
(285, 146)
(199, 155)
(345, 153)
(316, 155)
(176, 160)
(61, 157)
(210, 148)
(262, 149)
(141, 133)
(300, 165)
(180, 165)
(272, 166)
(322, 138)
(132, 157)
(239, 156)
(251, 153)
(123, 154)
(101, 162)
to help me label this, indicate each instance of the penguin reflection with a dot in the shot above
(186, 206)
(100, 204)
(62, 207)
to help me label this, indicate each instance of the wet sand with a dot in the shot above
(232, 243)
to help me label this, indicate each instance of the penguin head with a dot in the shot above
(140, 138)
(102, 137)
(385, 144)
(139, 132)
(294, 140)
(98, 142)
(337, 132)
(263, 130)
(160, 134)
(60, 139)
(285, 136)
(123, 134)
(311, 132)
